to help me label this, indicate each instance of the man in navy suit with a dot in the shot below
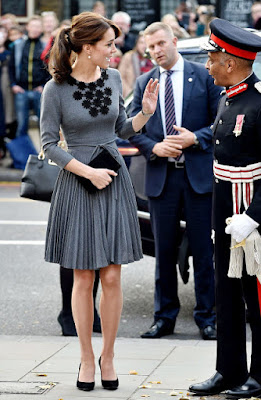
(178, 148)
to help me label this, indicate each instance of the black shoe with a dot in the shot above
(214, 385)
(250, 389)
(96, 322)
(209, 333)
(67, 324)
(86, 386)
(158, 329)
(109, 385)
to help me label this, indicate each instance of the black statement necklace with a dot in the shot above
(95, 96)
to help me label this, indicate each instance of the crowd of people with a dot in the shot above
(24, 51)
(131, 58)
(174, 114)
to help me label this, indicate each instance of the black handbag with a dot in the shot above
(39, 178)
(103, 160)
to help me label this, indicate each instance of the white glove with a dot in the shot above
(241, 226)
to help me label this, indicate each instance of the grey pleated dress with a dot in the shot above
(89, 231)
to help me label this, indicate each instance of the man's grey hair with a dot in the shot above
(122, 14)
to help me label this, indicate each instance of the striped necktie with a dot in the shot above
(170, 116)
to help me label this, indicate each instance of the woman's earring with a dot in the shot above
(89, 57)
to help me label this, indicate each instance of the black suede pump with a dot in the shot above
(109, 385)
(86, 386)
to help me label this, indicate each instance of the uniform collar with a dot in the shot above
(240, 87)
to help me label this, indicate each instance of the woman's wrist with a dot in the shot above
(145, 114)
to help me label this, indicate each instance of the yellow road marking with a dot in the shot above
(14, 199)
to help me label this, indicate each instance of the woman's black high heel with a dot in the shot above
(87, 386)
(109, 385)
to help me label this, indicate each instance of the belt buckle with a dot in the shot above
(179, 164)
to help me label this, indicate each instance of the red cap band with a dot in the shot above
(249, 55)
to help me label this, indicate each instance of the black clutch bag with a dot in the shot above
(103, 160)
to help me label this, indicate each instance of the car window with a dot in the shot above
(197, 57)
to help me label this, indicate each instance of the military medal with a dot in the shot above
(239, 124)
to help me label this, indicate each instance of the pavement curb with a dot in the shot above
(10, 175)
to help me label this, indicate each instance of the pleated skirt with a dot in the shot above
(92, 230)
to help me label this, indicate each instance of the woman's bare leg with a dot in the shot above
(110, 313)
(82, 307)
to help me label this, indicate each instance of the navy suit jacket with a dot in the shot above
(200, 100)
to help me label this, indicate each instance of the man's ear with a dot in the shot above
(231, 64)
(175, 41)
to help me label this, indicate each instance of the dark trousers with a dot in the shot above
(166, 212)
(231, 296)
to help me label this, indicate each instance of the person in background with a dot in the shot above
(192, 27)
(202, 19)
(46, 51)
(15, 32)
(7, 95)
(133, 64)
(50, 23)
(99, 8)
(172, 21)
(256, 14)
(183, 13)
(8, 20)
(126, 41)
(177, 144)
(236, 211)
(27, 73)
(204, 15)
(116, 59)
(91, 231)
(65, 317)
(3, 57)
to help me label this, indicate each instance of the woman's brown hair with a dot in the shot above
(87, 28)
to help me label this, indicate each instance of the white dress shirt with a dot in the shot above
(177, 84)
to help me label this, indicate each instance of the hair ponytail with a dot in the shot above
(60, 57)
(87, 28)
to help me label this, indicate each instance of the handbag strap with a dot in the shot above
(41, 155)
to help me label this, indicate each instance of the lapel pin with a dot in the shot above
(190, 79)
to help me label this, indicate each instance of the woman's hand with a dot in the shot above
(101, 177)
(150, 96)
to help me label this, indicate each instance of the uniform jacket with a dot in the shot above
(200, 99)
(237, 151)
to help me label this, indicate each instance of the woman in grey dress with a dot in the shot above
(89, 231)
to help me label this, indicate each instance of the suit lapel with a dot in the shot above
(189, 81)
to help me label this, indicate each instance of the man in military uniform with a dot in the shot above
(237, 194)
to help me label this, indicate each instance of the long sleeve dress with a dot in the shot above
(89, 230)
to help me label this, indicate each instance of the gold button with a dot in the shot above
(216, 180)
(220, 122)
(217, 141)
(227, 103)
